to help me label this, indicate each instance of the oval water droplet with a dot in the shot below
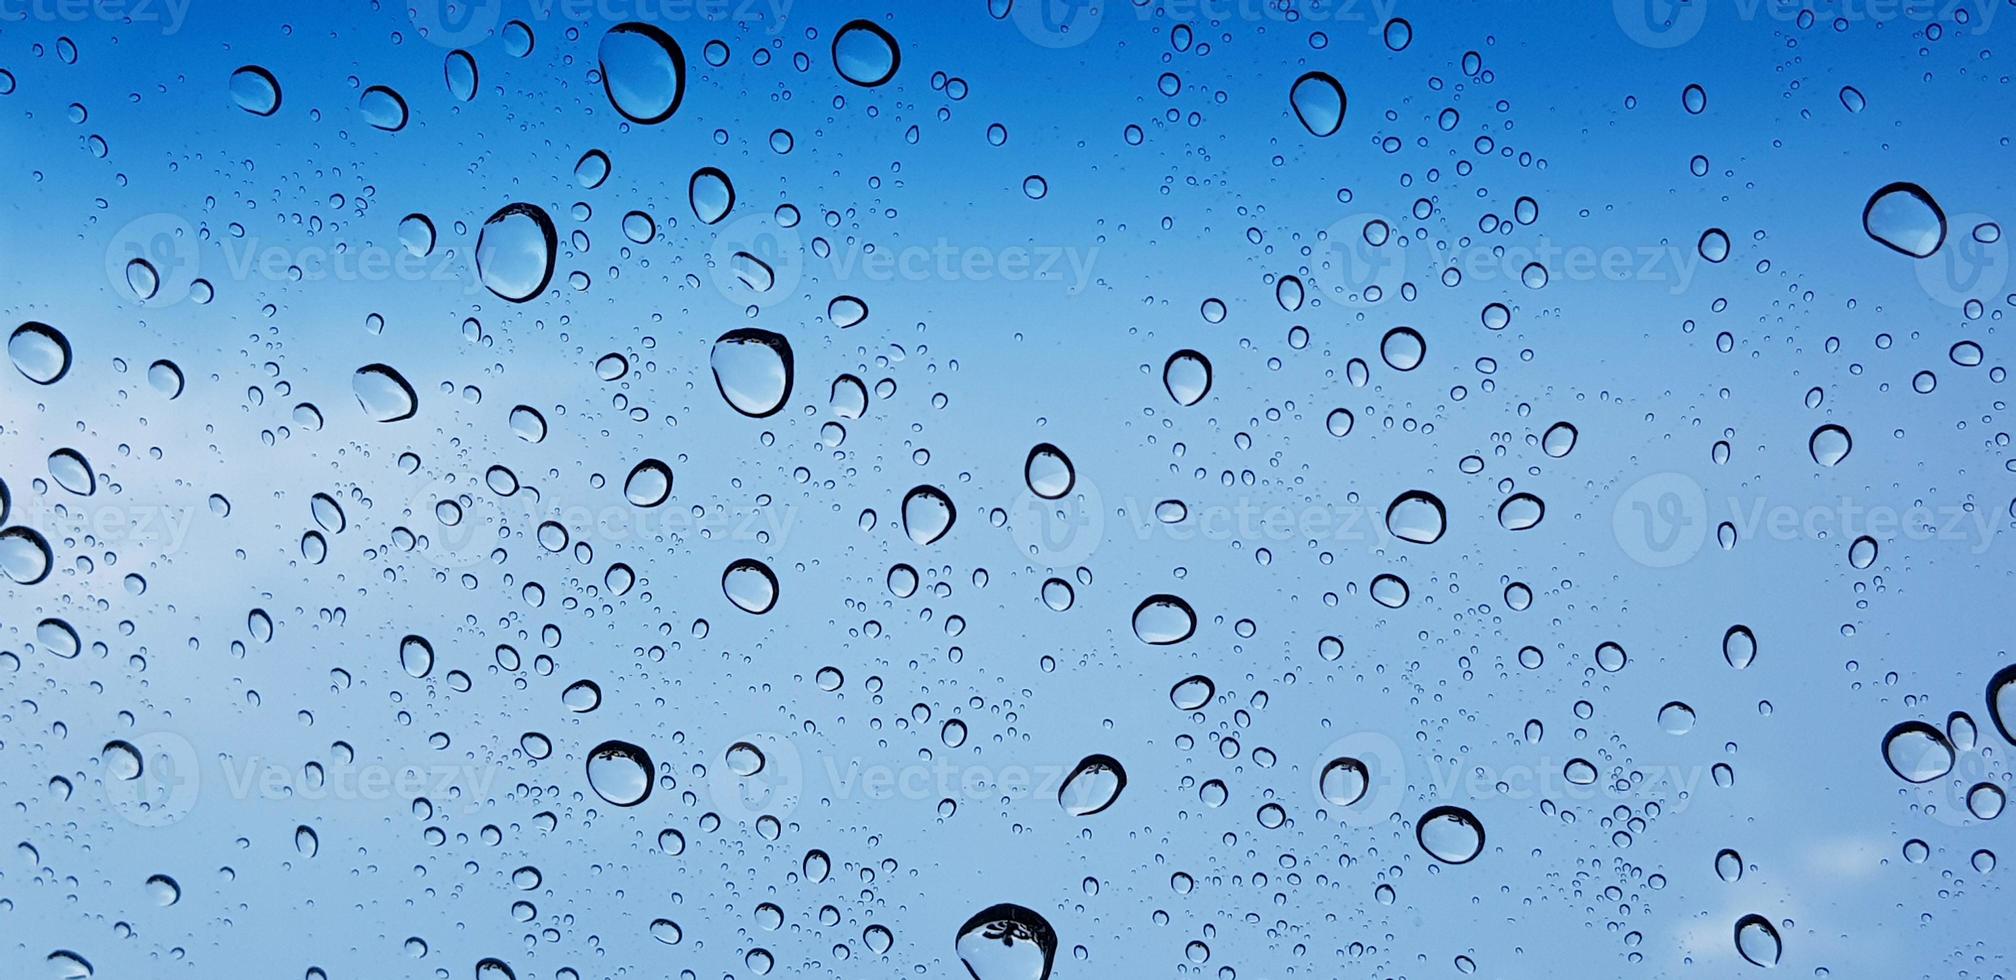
(40, 352)
(255, 90)
(649, 483)
(1450, 834)
(384, 394)
(25, 557)
(1093, 786)
(1192, 693)
(1318, 102)
(416, 656)
(1757, 940)
(750, 585)
(1006, 942)
(1049, 472)
(1344, 781)
(1905, 218)
(643, 72)
(711, 194)
(1830, 444)
(383, 108)
(928, 514)
(753, 369)
(1164, 619)
(1559, 440)
(515, 250)
(1187, 376)
(865, 54)
(1917, 752)
(1417, 516)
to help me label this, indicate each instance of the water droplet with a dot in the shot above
(1520, 512)
(927, 514)
(383, 108)
(25, 557)
(384, 394)
(1318, 102)
(649, 483)
(753, 369)
(2002, 702)
(416, 656)
(1830, 445)
(416, 232)
(255, 90)
(1739, 647)
(1049, 472)
(711, 194)
(1852, 99)
(750, 585)
(1559, 440)
(1450, 834)
(73, 472)
(1399, 34)
(1917, 752)
(1403, 349)
(1164, 619)
(459, 71)
(1714, 245)
(1417, 516)
(592, 169)
(40, 352)
(620, 773)
(1093, 786)
(1192, 693)
(865, 54)
(846, 311)
(1862, 553)
(1344, 781)
(1006, 942)
(643, 72)
(1905, 218)
(515, 251)
(1187, 375)
(163, 890)
(1676, 718)
(142, 279)
(1757, 940)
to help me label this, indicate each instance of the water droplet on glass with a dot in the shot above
(1164, 619)
(643, 72)
(711, 194)
(865, 54)
(1905, 218)
(1757, 940)
(1187, 375)
(1093, 786)
(1048, 472)
(1006, 942)
(384, 394)
(40, 352)
(753, 370)
(1917, 752)
(383, 108)
(750, 585)
(255, 90)
(515, 251)
(1450, 834)
(1829, 445)
(1318, 102)
(620, 773)
(927, 514)
(649, 483)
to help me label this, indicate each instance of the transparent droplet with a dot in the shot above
(643, 72)
(1187, 375)
(753, 370)
(865, 54)
(750, 585)
(384, 394)
(1049, 472)
(1164, 619)
(515, 251)
(1093, 786)
(620, 773)
(1917, 752)
(928, 514)
(1905, 218)
(255, 90)
(1318, 102)
(1450, 834)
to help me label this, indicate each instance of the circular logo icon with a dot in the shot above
(1965, 267)
(1058, 533)
(462, 524)
(165, 789)
(1380, 764)
(1662, 520)
(1360, 259)
(755, 262)
(1660, 23)
(455, 23)
(1945, 798)
(773, 789)
(152, 259)
(1057, 23)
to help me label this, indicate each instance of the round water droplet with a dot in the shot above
(515, 250)
(1520, 512)
(384, 394)
(1344, 781)
(25, 557)
(1187, 375)
(620, 773)
(163, 890)
(1049, 472)
(1399, 34)
(643, 72)
(927, 514)
(166, 379)
(1714, 245)
(592, 169)
(1417, 516)
(1559, 440)
(1450, 834)
(753, 369)
(1006, 942)
(1164, 619)
(1917, 752)
(846, 311)
(255, 90)
(1676, 718)
(528, 424)
(1862, 553)
(744, 759)
(1318, 102)
(416, 232)
(649, 483)
(1830, 444)
(40, 352)
(2002, 702)
(1403, 349)
(1905, 218)
(416, 656)
(750, 585)
(865, 54)
(1192, 693)
(1093, 786)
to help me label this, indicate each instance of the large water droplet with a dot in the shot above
(750, 585)
(1187, 375)
(1093, 786)
(865, 54)
(515, 250)
(1318, 102)
(643, 72)
(25, 557)
(1344, 781)
(73, 472)
(1905, 218)
(649, 483)
(2002, 702)
(1416, 516)
(927, 514)
(1006, 942)
(1830, 445)
(1164, 619)
(1917, 752)
(1192, 693)
(40, 352)
(384, 394)
(255, 90)
(383, 108)
(1049, 472)
(1739, 647)
(753, 369)
(711, 194)
(620, 773)
(1757, 940)
(416, 656)
(1450, 834)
